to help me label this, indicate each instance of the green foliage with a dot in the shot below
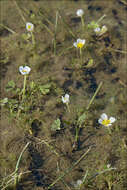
(93, 25)
(81, 119)
(56, 125)
(90, 63)
(10, 86)
(45, 88)
(3, 101)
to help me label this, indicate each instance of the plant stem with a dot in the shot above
(33, 39)
(9, 29)
(69, 169)
(55, 33)
(24, 87)
(109, 130)
(20, 12)
(91, 101)
(68, 107)
(81, 55)
(76, 135)
(82, 21)
(17, 165)
(100, 19)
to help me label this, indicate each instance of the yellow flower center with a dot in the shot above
(80, 45)
(24, 71)
(29, 26)
(105, 122)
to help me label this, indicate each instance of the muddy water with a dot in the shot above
(44, 163)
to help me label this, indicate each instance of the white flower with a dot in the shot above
(105, 121)
(100, 31)
(24, 70)
(29, 26)
(79, 44)
(108, 165)
(65, 99)
(80, 12)
(97, 30)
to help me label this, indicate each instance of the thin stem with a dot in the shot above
(82, 21)
(17, 165)
(91, 101)
(100, 19)
(69, 169)
(68, 108)
(20, 12)
(24, 87)
(68, 28)
(9, 29)
(55, 33)
(109, 130)
(33, 39)
(76, 135)
(81, 55)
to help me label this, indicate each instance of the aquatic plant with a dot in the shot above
(105, 121)
(24, 71)
(100, 31)
(80, 13)
(79, 44)
(66, 100)
(30, 28)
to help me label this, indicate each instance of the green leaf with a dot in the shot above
(3, 101)
(81, 119)
(90, 63)
(45, 88)
(56, 125)
(93, 25)
(10, 86)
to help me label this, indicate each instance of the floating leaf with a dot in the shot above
(90, 63)
(81, 119)
(93, 25)
(56, 125)
(10, 86)
(45, 88)
(4, 101)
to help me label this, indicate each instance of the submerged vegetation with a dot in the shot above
(63, 72)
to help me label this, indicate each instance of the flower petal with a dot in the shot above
(104, 116)
(75, 44)
(28, 69)
(108, 125)
(100, 121)
(63, 99)
(20, 68)
(79, 40)
(112, 119)
(67, 96)
(83, 42)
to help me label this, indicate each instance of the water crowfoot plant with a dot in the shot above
(103, 120)
(66, 100)
(24, 71)
(30, 28)
(100, 31)
(79, 44)
(80, 13)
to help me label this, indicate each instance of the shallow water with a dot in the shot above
(51, 152)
